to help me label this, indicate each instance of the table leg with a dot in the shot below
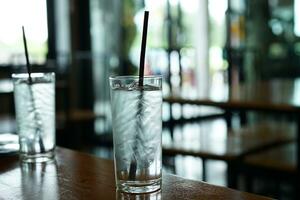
(204, 169)
(243, 118)
(228, 118)
(249, 182)
(298, 143)
(232, 174)
(298, 159)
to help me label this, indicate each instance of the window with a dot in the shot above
(32, 14)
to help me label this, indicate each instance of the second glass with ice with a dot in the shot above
(35, 113)
(137, 128)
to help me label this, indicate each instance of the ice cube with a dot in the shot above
(148, 87)
(133, 86)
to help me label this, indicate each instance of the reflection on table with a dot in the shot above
(77, 175)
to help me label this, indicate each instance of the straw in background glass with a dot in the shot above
(37, 117)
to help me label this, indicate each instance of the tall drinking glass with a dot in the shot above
(137, 130)
(35, 114)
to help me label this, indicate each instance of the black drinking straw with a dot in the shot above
(143, 48)
(28, 66)
(36, 115)
(133, 164)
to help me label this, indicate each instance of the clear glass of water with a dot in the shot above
(137, 132)
(35, 114)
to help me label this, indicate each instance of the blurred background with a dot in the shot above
(199, 46)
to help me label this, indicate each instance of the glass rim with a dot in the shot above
(24, 75)
(134, 77)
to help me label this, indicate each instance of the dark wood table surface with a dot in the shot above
(76, 175)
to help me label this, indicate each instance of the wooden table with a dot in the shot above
(230, 145)
(282, 95)
(279, 96)
(77, 175)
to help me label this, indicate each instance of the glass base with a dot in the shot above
(37, 158)
(137, 187)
